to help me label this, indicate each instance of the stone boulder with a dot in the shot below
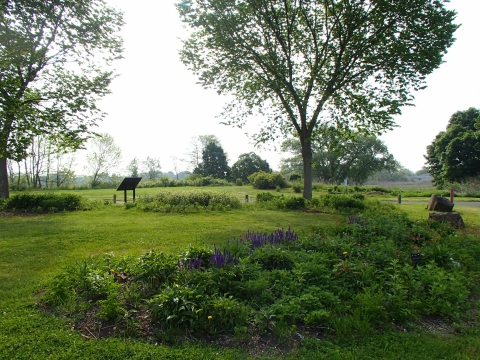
(439, 203)
(453, 218)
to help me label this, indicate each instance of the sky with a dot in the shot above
(156, 106)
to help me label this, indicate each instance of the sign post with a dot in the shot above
(129, 184)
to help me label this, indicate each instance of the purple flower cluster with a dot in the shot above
(222, 258)
(185, 264)
(262, 239)
(359, 220)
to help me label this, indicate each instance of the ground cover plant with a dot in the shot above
(379, 271)
(37, 248)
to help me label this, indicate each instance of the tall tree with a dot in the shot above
(54, 60)
(133, 167)
(335, 158)
(104, 156)
(197, 145)
(214, 162)
(153, 168)
(247, 164)
(303, 63)
(454, 155)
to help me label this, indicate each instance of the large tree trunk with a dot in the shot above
(307, 168)
(4, 191)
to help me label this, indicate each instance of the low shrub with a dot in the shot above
(40, 202)
(342, 202)
(264, 197)
(192, 201)
(264, 180)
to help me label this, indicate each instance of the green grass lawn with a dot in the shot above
(33, 248)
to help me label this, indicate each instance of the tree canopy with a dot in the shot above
(306, 63)
(454, 155)
(104, 155)
(196, 148)
(54, 67)
(247, 164)
(214, 162)
(335, 159)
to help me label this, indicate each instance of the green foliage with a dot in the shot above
(247, 164)
(350, 280)
(34, 248)
(263, 180)
(301, 76)
(264, 197)
(47, 202)
(336, 158)
(273, 257)
(214, 162)
(340, 202)
(105, 154)
(50, 79)
(188, 201)
(453, 155)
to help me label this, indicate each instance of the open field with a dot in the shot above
(36, 247)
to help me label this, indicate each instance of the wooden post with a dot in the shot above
(399, 199)
(125, 196)
(133, 194)
(114, 198)
(452, 195)
(246, 198)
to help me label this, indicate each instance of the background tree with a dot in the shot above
(196, 148)
(176, 165)
(454, 155)
(133, 167)
(104, 156)
(54, 60)
(336, 158)
(153, 168)
(214, 162)
(399, 174)
(300, 64)
(247, 164)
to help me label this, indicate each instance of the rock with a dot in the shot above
(438, 203)
(453, 218)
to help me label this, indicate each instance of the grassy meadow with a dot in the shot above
(36, 247)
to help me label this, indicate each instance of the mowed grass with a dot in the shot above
(470, 214)
(35, 248)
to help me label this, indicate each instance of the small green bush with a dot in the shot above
(264, 197)
(38, 203)
(341, 202)
(263, 180)
(297, 188)
(295, 203)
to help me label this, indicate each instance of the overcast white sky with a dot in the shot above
(156, 107)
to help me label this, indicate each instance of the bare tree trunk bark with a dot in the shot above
(19, 173)
(4, 190)
(307, 168)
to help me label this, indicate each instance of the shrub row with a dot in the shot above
(188, 201)
(39, 203)
(343, 203)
